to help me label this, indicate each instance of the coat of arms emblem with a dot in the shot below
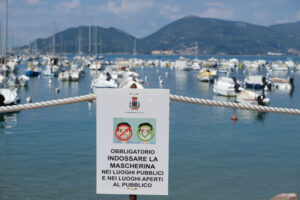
(134, 104)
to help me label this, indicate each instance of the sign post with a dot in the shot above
(132, 141)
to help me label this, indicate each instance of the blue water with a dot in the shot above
(51, 153)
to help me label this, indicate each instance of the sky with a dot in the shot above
(30, 19)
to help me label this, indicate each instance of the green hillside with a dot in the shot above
(214, 36)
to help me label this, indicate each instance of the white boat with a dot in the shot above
(52, 67)
(182, 64)
(282, 84)
(21, 81)
(64, 76)
(249, 97)
(227, 87)
(9, 97)
(103, 81)
(131, 85)
(2, 79)
(75, 72)
(279, 66)
(95, 65)
(257, 82)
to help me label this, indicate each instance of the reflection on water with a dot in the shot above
(94, 73)
(7, 121)
(223, 98)
(205, 86)
(248, 115)
(279, 74)
(181, 78)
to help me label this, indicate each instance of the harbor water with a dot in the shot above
(50, 153)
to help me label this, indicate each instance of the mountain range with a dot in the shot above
(210, 36)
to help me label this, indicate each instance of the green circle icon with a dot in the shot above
(145, 132)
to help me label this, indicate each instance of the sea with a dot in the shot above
(50, 153)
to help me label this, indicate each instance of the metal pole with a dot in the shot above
(132, 197)
(6, 33)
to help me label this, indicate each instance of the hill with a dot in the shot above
(292, 29)
(214, 36)
(75, 40)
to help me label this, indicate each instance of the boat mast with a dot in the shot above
(0, 41)
(6, 34)
(96, 46)
(53, 39)
(90, 31)
(196, 50)
(134, 50)
(101, 43)
(79, 41)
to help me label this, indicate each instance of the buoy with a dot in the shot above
(234, 117)
(29, 100)
(148, 84)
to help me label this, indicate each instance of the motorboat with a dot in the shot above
(182, 64)
(279, 66)
(131, 85)
(226, 86)
(21, 81)
(282, 83)
(206, 74)
(33, 71)
(64, 76)
(103, 81)
(257, 82)
(250, 97)
(9, 97)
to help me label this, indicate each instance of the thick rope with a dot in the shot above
(207, 102)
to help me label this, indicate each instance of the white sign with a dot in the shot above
(132, 141)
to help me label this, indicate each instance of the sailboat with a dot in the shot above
(7, 96)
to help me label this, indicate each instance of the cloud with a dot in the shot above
(126, 6)
(67, 6)
(259, 15)
(170, 11)
(282, 21)
(217, 13)
(32, 2)
(214, 4)
(298, 15)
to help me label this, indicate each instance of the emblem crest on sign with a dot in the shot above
(134, 104)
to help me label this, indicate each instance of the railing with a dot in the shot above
(92, 97)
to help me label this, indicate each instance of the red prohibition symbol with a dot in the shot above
(123, 132)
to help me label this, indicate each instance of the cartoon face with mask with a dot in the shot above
(145, 132)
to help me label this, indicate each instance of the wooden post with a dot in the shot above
(132, 197)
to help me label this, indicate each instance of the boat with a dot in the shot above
(103, 81)
(9, 97)
(33, 71)
(206, 75)
(250, 97)
(52, 67)
(182, 64)
(257, 82)
(279, 66)
(225, 86)
(282, 83)
(131, 85)
(64, 76)
(21, 81)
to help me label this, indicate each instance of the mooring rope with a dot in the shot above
(92, 97)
